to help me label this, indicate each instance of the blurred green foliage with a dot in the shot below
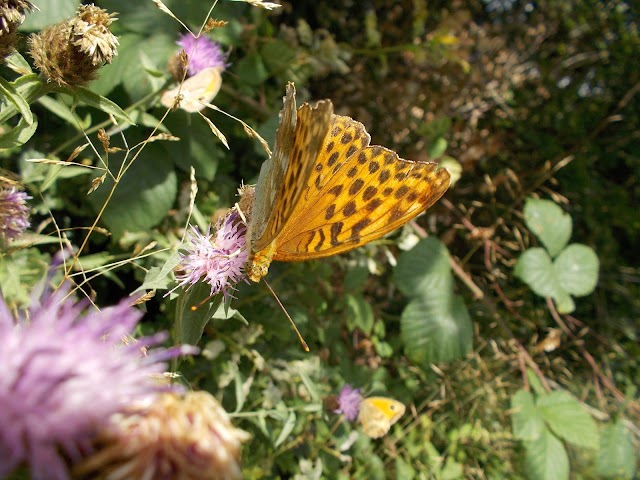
(539, 104)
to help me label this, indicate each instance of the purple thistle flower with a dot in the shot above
(349, 402)
(217, 259)
(203, 53)
(65, 371)
(14, 213)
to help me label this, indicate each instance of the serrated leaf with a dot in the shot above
(423, 269)
(534, 268)
(568, 419)
(546, 458)
(436, 328)
(526, 419)
(577, 269)
(549, 223)
(616, 457)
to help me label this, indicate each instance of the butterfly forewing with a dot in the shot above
(355, 194)
(311, 128)
(273, 170)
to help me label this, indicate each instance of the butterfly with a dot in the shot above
(325, 190)
(377, 414)
(195, 91)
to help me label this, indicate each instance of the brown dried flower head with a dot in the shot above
(70, 53)
(12, 13)
(186, 437)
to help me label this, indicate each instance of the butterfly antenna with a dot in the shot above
(304, 344)
(200, 303)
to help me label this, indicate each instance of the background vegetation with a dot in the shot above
(506, 373)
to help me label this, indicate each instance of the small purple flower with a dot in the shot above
(349, 402)
(65, 371)
(14, 213)
(202, 52)
(218, 259)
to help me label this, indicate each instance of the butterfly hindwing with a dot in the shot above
(378, 414)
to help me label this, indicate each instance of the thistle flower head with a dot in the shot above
(65, 371)
(187, 437)
(70, 53)
(202, 53)
(349, 401)
(216, 258)
(14, 213)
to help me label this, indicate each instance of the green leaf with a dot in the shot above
(404, 469)
(568, 419)
(535, 383)
(437, 148)
(197, 147)
(148, 54)
(546, 458)
(17, 63)
(99, 102)
(8, 91)
(190, 323)
(18, 135)
(62, 110)
(277, 55)
(50, 12)
(577, 269)
(359, 314)
(144, 195)
(616, 457)
(525, 417)
(534, 268)
(251, 70)
(436, 328)
(452, 470)
(549, 223)
(287, 428)
(160, 277)
(424, 269)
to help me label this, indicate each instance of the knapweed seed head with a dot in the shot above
(71, 53)
(176, 436)
(12, 14)
(65, 371)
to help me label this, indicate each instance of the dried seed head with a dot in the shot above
(12, 13)
(70, 53)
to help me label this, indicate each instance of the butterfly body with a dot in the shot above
(378, 414)
(325, 190)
